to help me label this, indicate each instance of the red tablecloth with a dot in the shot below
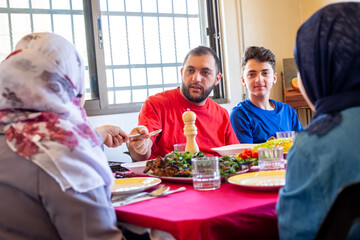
(230, 212)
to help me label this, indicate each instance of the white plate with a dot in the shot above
(133, 185)
(136, 167)
(233, 149)
(187, 179)
(174, 179)
(134, 164)
(263, 181)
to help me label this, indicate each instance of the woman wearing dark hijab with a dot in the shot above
(326, 155)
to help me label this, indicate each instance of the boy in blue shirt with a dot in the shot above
(258, 118)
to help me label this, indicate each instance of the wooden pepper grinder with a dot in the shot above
(190, 131)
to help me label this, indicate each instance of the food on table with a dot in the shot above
(163, 168)
(271, 138)
(286, 143)
(174, 164)
(249, 155)
(230, 165)
(116, 167)
(119, 174)
(177, 164)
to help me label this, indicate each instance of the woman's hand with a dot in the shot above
(113, 136)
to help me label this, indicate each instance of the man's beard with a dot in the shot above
(205, 92)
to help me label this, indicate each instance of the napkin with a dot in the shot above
(120, 202)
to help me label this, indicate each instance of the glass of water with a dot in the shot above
(180, 147)
(206, 173)
(271, 158)
(285, 134)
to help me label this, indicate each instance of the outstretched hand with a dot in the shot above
(113, 136)
(140, 146)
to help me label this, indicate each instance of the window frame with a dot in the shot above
(97, 69)
(99, 105)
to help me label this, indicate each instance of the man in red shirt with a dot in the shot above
(200, 74)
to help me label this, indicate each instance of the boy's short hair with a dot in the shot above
(260, 54)
(203, 50)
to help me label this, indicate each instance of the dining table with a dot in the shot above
(229, 212)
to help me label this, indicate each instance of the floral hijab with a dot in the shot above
(42, 82)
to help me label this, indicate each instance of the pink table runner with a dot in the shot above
(230, 212)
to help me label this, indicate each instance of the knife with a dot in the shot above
(140, 199)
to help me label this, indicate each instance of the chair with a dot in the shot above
(343, 213)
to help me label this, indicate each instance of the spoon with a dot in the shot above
(151, 133)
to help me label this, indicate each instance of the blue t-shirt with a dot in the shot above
(255, 125)
(317, 168)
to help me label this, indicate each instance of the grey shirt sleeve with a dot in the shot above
(33, 206)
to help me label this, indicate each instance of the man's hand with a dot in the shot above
(113, 136)
(140, 146)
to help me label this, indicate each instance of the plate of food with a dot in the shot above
(189, 179)
(133, 185)
(176, 167)
(233, 149)
(286, 143)
(173, 179)
(261, 181)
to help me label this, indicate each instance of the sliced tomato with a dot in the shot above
(243, 155)
(248, 152)
(255, 154)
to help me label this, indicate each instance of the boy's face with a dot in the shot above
(258, 77)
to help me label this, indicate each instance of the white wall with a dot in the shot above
(127, 122)
(232, 50)
(309, 7)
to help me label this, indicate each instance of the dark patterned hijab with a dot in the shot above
(327, 54)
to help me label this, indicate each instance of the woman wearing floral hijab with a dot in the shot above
(54, 176)
(325, 156)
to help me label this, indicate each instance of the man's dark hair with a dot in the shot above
(259, 54)
(202, 50)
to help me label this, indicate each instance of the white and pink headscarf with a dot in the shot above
(41, 84)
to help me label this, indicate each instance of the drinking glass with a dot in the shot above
(271, 158)
(206, 173)
(180, 147)
(285, 134)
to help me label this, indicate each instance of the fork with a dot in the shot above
(153, 133)
(155, 193)
(128, 197)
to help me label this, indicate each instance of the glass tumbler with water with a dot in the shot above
(271, 158)
(180, 147)
(285, 134)
(206, 173)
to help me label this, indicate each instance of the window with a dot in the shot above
(133, 48)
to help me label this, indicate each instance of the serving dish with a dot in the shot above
(233, 149)
(136, 167)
